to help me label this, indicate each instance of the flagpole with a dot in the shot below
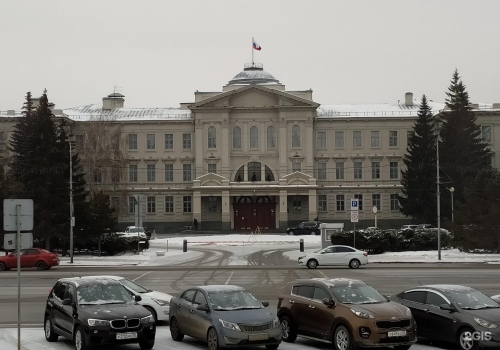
(252, 51)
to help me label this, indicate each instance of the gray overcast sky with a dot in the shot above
(158, 52)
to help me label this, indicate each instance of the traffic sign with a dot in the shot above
(10, 240)
(10, 218)
(354, 204)
(354, 216)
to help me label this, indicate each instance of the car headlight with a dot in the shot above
(276, 322)
(361, 314)
(484, 323)
(230, 325)
(148, 319)
(408, 312)
(302, 257)
(93, 322)
(160, 302)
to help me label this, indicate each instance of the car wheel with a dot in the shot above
(312, 264)
(50, 336)
(79, 339)
(342, 338)
(212, 339)
(147, 345)
(272, 346)
(291, 233)
(465, 339)
(41, 265)
(288, 330)
(175, 331)
(3, 267)
(402, 347)
(354, 263)
(153, 312)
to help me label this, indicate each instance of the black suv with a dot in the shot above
(305, 228)
(97, 311)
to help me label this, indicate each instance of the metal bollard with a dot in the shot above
(185, 245)
(301, 245)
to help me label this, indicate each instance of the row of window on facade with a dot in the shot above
(340, 202)
(253, 172)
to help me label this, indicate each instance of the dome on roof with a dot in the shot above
(253, 73)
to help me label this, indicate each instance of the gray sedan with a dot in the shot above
(223, 316)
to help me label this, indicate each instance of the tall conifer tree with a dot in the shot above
(419, 177)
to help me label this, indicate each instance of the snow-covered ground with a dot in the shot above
(240, 246)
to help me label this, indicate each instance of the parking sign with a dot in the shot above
(354, 204)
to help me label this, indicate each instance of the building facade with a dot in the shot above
(251, 155)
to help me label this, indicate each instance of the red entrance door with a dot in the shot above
(248, 214)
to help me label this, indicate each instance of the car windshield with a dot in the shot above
(233, 300)
(134, 286)
(471, 299)
(353, 293)
(136, 229)
(101, 294)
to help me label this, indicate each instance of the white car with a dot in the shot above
(157, 303)
(340, 255)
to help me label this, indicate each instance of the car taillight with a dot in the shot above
(365, 254)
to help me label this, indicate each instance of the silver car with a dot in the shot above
(224, 316)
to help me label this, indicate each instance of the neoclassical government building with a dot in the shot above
(253, 154)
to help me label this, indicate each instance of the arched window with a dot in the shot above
(211, 137)
(240, 175)
(271, 137)
(254, 137)
(254, 172)
(295, 136)
(269, 174)
(237, 137)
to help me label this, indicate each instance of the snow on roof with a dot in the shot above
(221, 288)
(375, 110)
(450, 287)
(95, 111)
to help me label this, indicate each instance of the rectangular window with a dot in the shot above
(115, 142)
(115, 204)
(394, 202)
(322, 203)
(393, 139)
(169, 172)
(376, 201)
(321, 139)
(486, 133)
(339, 139)
(97, 175)
(321, 170)
(186, 141)
(150, 141)
(297, 203)
(358, 170)
(359, 197)
(131, 205)
(151, 173)
(375, 170)
(212, 168)
(409, 135)
(340, 202)
(132, 141)
(169, 141)
(357, 139)
(296, 166)
(394, 170)
(339, 170)
(79, 142)
(186, 204)
(132, 173)
(151, 202)
(375, 138)
(186, 172)
(169, 204)
(115, 174)
(212, 204)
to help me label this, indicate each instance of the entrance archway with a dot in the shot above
(250, 212)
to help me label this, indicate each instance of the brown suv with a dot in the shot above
(347, 312)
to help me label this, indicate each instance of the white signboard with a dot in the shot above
(10, 216)
(354, 216)
(354, 204)
(10, 242)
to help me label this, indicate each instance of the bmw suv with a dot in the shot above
(97, 311)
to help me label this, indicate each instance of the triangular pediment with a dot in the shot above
(211, 179)
(253, 96)
(297, 178)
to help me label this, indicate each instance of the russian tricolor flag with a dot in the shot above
(256, 46)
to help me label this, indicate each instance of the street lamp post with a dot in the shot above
(438, 194)
(71, 210)
(452, 189)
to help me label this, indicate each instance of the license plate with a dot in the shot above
(258, 336)
(120, 336)
(396, 334)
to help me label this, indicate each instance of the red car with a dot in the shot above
(32, 257)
